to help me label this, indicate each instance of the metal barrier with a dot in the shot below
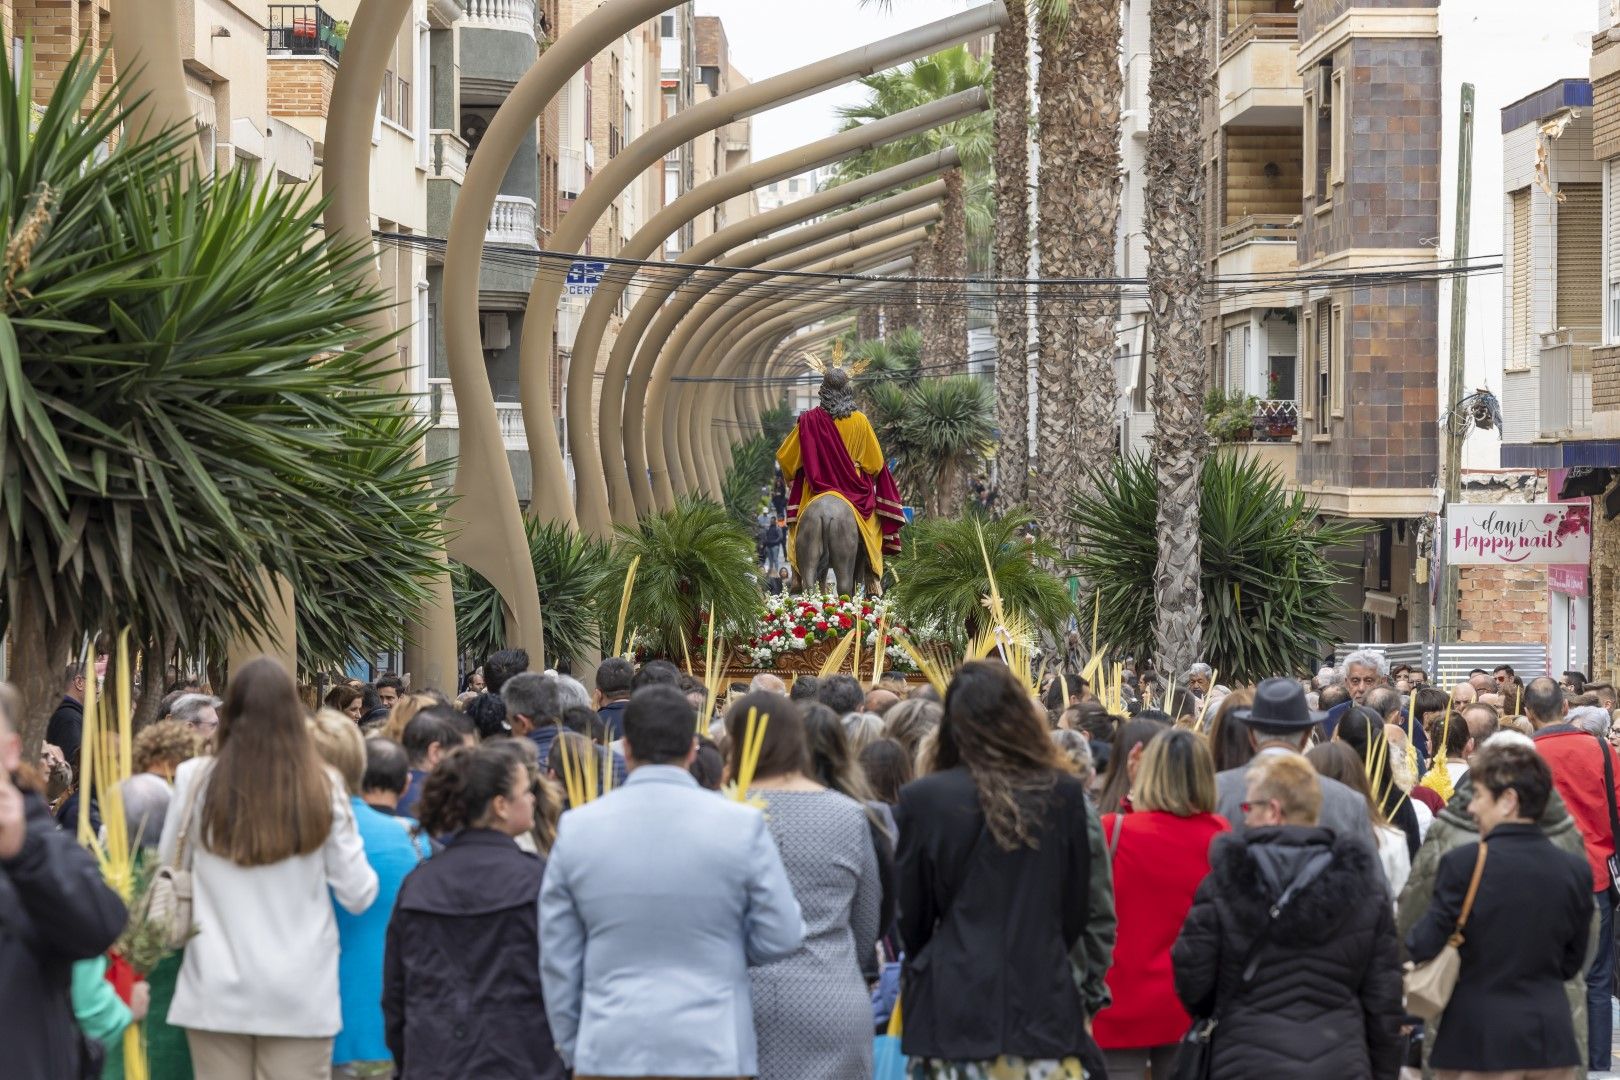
(1448, 664)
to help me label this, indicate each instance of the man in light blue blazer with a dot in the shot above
(657, 899)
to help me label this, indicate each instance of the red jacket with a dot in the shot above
(1577, 770)
(1158, 863)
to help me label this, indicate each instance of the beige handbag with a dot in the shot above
(167, 904)
(1429, 985)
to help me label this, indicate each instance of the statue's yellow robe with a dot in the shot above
(864, 450)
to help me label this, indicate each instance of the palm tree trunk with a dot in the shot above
(1011, 63)
(866, 323)
(1080, 85)
(41, 647)
(944, 349)
(1175, 213)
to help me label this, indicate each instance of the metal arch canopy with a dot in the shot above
(534, 389)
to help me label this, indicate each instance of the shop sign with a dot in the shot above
(1518, 534)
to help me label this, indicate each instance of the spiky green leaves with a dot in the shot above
(1268, 578)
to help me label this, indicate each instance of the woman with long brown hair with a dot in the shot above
(266, 829)
(812, 1011)
(994, 871)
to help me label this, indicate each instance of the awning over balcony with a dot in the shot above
(1562, 455)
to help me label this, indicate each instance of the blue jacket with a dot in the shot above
(657, 899)
(612, 714)
(413, 793)
(546, 734)
(392, 852)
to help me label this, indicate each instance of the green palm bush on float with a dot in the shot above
(572, 572)
(1268, 577)
(942, 579)
(693, 556)
(189, 406)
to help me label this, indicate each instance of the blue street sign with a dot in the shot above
(584, 277)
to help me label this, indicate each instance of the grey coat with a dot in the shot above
(1343, 810)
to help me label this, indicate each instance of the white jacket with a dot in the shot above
(264, 960)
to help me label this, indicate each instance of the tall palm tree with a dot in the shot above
(1009, 63)
(1010, 60)
(938, 431)
(1078, 202)
(1175, 213)
(932, 79)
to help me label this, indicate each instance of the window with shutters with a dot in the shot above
(1336, 366)
(1309, 154)
(1521, 289)
(1237, 359)
(1322, 373)
(1580, 256)
(1337, 119)
(1308, 368)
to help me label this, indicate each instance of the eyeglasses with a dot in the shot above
(1250, 807)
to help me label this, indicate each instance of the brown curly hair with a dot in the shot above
(993, 728)
(167, 742)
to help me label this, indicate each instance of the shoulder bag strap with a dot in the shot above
(1113, 837)
(1608, 792)
(182, 847)
(1468, 899)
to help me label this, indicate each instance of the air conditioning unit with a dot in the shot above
(497, 332)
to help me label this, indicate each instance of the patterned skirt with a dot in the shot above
(1002, 1068)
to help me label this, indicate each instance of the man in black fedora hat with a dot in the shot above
(1280, 722)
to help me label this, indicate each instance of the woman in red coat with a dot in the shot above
(1160, 853)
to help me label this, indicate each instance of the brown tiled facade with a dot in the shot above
(1317, 15)
(1381, 194)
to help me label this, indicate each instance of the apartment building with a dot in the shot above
(725, 149)
(479, 50)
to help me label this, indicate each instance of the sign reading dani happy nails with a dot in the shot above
(1518, 534)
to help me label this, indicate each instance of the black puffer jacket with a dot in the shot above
(1324, 999)
(54, 909)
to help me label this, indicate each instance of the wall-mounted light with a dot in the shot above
(221, 31)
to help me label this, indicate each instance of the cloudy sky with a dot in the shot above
(769, 37)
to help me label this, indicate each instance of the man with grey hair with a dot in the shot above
(1364, 670)
(200, 712)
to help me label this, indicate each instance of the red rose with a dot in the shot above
(845, 621)
(799, 632)
(821, 625)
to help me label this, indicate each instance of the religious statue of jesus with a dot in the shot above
(840, 490)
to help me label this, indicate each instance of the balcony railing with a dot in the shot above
(303, 30)
(508, 414)
(516, 15)
(512, 223)
(1261, 27)
(1259, 229)
(1566, 382)
(449, 155)
(1276, 421)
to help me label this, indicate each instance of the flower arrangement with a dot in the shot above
(799, 623)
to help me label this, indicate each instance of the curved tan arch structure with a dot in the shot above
(762, 329)
(599, 501)
(677, 355)
(430, 643)
(719, 335)
(146, 48)
(620, 418)
(490, 538)
(534, 378)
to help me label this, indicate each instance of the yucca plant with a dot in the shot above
(693, 556)
(572, 571)
(1268, 580)
(187, 399)
(942, 579)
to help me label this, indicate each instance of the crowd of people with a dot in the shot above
(534, 879)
